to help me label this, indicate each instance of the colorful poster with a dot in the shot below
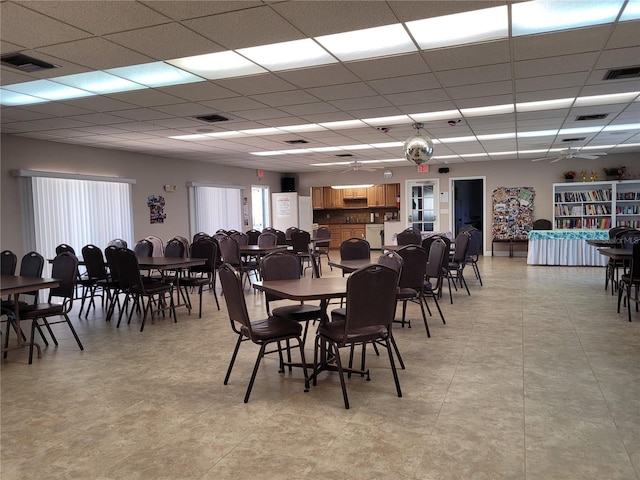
(156, 209)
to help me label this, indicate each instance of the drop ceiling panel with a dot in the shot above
(279, 99)
(489, 89)
(468, 56)
(405, 84)
(468, 76)
(319, 76)
(581, 62)
(256, 84)
(338, 92)
(418, 97)
(389, 67)
(199, 91)
(195, 9)
(362, 103)
(551, 82)
(560, 43)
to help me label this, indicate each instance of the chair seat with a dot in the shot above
(272, 328)
(335, 332)
(152, 288)
(299, 313)
(406, 293)
(194, 281)
(428, 286)
(41, 310)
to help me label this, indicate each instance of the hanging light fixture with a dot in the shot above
(418, 149)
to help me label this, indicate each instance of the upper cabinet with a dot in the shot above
(375, 196)
(354, 193)
(391, 194)
(317, 198)
(332, 197)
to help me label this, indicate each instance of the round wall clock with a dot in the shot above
(387, 174)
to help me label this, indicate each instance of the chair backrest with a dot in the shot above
(158, 246)
(128, 269)
(267, 239)
(415, 265)
(117, 242)
(269, 229)
(222, 230)
(220, 235)
(461, 244)
(279, 266)
(300, 240)
(474, 249)
(63, 247)
(94, 262)
(175, 249)
(207, 250)
(392, 260)
(542, 224)
(289, 231)
(314, 261)
(253, 235)
(323, 237)
(426, 243)
(371, 298)
(200, 236)
(64, 269)
(234, 297)
(628, 238)
(438, 255)
(9, 260)
(241, 238)
(282, 237)
(110, 256)
(144, 248)
(230, 250)
(409, 236)
(355, 249)
(613, 232)
(32, 265)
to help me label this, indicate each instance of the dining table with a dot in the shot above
(350, 266)
(617, 253)
(309, 289)
(13, 286)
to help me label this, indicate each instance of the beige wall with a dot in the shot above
(505, 173)
(150, 172)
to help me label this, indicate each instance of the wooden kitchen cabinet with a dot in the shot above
(354, 193)
(391, 193)
(332, 197)
(376, 196)
(351, 231)
(317, 198)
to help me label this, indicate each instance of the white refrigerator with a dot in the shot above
(291, 210)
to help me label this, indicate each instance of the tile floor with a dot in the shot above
(533, 377)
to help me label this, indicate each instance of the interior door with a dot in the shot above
(468, 203)
(421, 205)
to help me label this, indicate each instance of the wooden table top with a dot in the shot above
(305, 288)
(12, 284)
(168, 262)
(617, 253)
(258, 249)
(349, 266)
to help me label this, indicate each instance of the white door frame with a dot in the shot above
(486, 224)
(405, 207)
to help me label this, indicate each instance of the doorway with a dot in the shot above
(421, 205)
(260, 207)
(468, 203)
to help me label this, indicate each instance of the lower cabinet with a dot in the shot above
(342, 232)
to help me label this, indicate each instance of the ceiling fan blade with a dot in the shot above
(584, 155)
(345, 171)
(369, 169)
(557, 159)
(540, 159)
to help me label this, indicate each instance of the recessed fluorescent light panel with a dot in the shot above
(395, 120)
(433, 116)
(157, 74)
(605, 99)
(343, 124)
(48, 90)
(543, 16)
(288, 55)
(368, 43)
(631, 12)
(99, 82)
(544, 105)
(461, 28)
(490, 110)
(218, 65)
(10, 99)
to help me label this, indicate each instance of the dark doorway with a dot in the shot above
(468, 204)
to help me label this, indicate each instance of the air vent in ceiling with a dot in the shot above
(295, 142)
(597, 116)
(25, 63)
(344, 155)
(622, 73)
(574, 139)
(212, 118)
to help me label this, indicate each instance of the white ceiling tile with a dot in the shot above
(198, 91)
(468, 56)
(625, 34)
(362, 103)
(488, 89)
(468, 76)
(389, 67)
(199, 8)
(619, 57)
(338, 92)
(551, 82)
(256, 84)
(95, 53)
(581, 62)
(560, 43)
(279, 99)
(319, 76)
(233, 104)
(149, 97)
(404, 84)
(141, 114)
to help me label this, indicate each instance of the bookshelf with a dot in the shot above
(596, 205)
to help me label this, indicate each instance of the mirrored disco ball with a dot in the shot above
(418, 149)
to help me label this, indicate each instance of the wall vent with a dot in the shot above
(622, 73)
(344, 155)
(25, 63)
(597, 116)
(212, 118)
(295, 142)
(574, 139)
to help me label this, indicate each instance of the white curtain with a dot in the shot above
(79, 212)
(216, 208)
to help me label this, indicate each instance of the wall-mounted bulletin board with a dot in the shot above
(512, 212)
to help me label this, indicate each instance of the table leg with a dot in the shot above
(20, 343)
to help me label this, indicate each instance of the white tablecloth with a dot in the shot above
(565, 247)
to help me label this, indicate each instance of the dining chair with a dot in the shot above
(474, 249)
(368, 318)
(253, 235)
(409, 236)
(114, 279)
(63, 247)
(230, 251)
(289, 231)
(411, 282)
(64, 269)
(272, 329)
(612, 270)
(435, 273)
(459, 260)
(97, 278)
(137, 288)
(118, 242)
(300, 240)
(143, 248)
(629, 280)
(355, 249)
(200, 275)
(241, 238)
(158, 246)
(9, 261)
(323, 243)
(200, 236)
(281, 236)
(267, 239)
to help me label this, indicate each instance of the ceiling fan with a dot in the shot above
(357, 165)
(571, 153)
